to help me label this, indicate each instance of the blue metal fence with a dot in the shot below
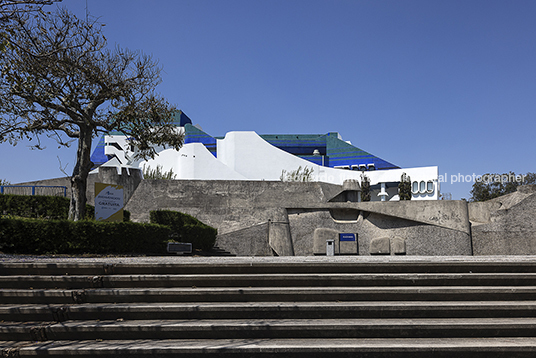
(34, 190)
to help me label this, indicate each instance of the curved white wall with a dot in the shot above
(253, 157)
(193, 161)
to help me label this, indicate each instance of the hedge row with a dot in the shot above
(44, 207)
(35, 236)
(186, 228)
(23, 230)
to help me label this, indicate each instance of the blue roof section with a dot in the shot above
(180, 119)
(332, 151)
(193, 134)
(298, 144)
(322, 149)
(341, 153)
(98, 157)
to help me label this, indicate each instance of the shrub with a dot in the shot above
(186, 228)
(365, 188)
(404, 187)
(35, 236)
(298, 175)
(158, 173)
(44, 207)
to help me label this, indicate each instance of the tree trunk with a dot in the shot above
(77, 208)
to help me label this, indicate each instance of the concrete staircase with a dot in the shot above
(240, 307)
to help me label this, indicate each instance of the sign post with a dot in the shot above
(108, 202)
(348, 244)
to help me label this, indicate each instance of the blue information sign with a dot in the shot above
(347, 237)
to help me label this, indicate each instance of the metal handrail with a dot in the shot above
(33, 188)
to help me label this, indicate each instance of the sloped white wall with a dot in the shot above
(253, 157)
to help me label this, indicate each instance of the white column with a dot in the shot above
(383, 193)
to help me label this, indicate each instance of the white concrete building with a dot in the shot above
(249, 156)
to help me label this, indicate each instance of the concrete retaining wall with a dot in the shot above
(508, 227)
(421, 239)
(259, 218)
(272, 217)
(225, 204)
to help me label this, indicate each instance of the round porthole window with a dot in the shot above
(422, 187)
(430, 187)
(415, 187)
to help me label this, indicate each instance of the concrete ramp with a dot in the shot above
(450, 214)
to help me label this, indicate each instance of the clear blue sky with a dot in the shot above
(415, 82)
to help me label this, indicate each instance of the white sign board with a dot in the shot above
(108, 202)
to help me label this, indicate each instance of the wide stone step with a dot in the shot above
(269, 280)
(244, 265)
(267, 294)
(267, 307)
(269, 310)
(270, 328)
(276, 348)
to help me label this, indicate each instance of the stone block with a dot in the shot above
(249, 241)
(351, 184)
(279, 238)
(398, 246)
(380, 246)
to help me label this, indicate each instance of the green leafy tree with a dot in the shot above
(490, 186)
(404, 187)
(530, 179)
(59, 79)
(365, 188)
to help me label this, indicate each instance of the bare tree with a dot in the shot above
(59, 79)
(8, 11)
(8, 8)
